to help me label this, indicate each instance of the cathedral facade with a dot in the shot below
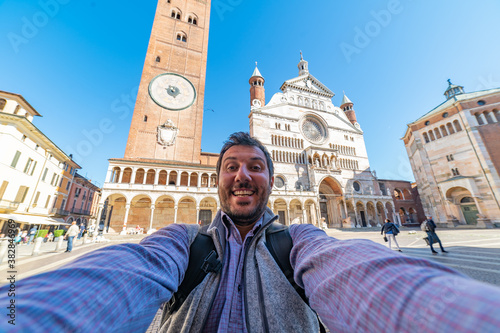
(322, 172)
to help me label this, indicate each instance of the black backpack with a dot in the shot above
(203, 259)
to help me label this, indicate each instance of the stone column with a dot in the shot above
(151, 219)
(121, 175)
(132, 177)
(304, 215)
(189, 178)
(357, 218)
(287, 218)
(157, 176)
(127, 209)
(197, 213)
(199, 179)
(109, 174)
(178, 180)
(176, 207)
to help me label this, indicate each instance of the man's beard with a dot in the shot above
(245, 218)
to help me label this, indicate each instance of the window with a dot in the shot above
(158, 59)
(382, 188)
(455, 172)
(145, 119)
(426, 138)
(62, 182)
(445, 115)
(52, 182)
(36, 198)
(45, 174)
(16, 159)
(481, 102)
(2, 103)
(33, 169)
(23, 138)
(356, 186)
(67, 185)
(18, 107)
(21, 194)
(3, 188)
(47, 201)
(28, 165)
(181, 37)
(427, 123)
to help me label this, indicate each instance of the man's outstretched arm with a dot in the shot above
(361, 286)
(116, 288)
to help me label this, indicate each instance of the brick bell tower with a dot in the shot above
(257, 91)
(168, 115)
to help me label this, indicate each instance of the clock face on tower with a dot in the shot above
(172, 91)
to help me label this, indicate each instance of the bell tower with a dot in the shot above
(168, 115)
(257, 91)
(347, 106)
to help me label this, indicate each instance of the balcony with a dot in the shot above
(59, 212)
(80, 211)
(7, 206)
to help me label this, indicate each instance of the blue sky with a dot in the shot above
(79, 64)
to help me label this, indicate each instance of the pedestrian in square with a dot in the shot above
(430, 229)
(70, 235)
(390, 231)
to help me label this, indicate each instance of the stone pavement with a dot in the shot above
(49, 259)
(474, 252)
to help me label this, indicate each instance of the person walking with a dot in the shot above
(430, 229)
(390, 230)
(33, 231)
(70, 235)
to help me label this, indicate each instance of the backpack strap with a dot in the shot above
(202, 260)
(279, 243)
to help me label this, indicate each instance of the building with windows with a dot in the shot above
(82, 201)
(31, 166)
(406, 201)
(454, 151)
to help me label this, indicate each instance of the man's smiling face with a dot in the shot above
(244, 185)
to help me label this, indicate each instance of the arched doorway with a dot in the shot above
(281, 211)
(164, 212)
(140, 212)
(469, 209)
(463, 206)
(330, 196)
(186, 212)
(208, 209)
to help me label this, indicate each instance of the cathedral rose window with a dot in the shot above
(313, 130)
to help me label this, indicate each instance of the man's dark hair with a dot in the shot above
(244, 139)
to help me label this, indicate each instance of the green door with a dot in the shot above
(470, 213)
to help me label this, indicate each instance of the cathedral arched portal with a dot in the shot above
(330, 195)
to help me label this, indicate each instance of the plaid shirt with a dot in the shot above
(227, 313)
(354, 285)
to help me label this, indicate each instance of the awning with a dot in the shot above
(33, 219)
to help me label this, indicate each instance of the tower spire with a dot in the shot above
(303, 65)
(347, 106)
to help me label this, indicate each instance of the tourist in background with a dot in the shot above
(390, 231)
